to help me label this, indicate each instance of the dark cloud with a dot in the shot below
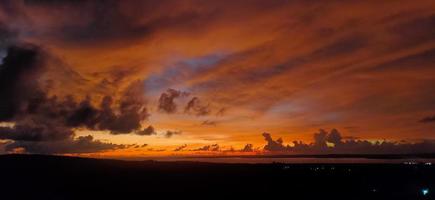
(22, 97)
(166, 100)
(18, 81)
(105, 22)
(140, 146)
(100, 21)
(213, 147)
(349, 146)
(7, 37)
(414, 31)
(147, 131)
(430, 119)
(194, 106)
(123, 118)
(273, 145)
(320, 139)
(31, 131)
(422, 60)
(334, 137)
(82, 144)
(209, 123)
(248, 148)
(169, 134)
(180, 148)
(342, 46)
(131, 111)
(43, 123)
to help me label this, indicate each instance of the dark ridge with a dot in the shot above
(61, 177)
(368, 156)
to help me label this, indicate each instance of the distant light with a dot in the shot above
(425, 191)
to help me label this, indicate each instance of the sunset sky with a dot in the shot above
(151, 78)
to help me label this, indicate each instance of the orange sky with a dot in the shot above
(287, 68)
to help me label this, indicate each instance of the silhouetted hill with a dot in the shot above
(57, 177)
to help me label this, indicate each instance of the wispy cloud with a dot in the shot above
(290, 67)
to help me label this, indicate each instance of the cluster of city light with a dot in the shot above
(416, 163)
(425, 191)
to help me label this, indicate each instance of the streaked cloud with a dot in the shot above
(219, 72)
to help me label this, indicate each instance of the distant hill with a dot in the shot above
(61, 177)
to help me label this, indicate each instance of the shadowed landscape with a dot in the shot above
(54, 177)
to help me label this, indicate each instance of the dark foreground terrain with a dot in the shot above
(51, 177)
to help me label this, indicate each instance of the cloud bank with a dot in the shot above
(333, 143)
(45, 124)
